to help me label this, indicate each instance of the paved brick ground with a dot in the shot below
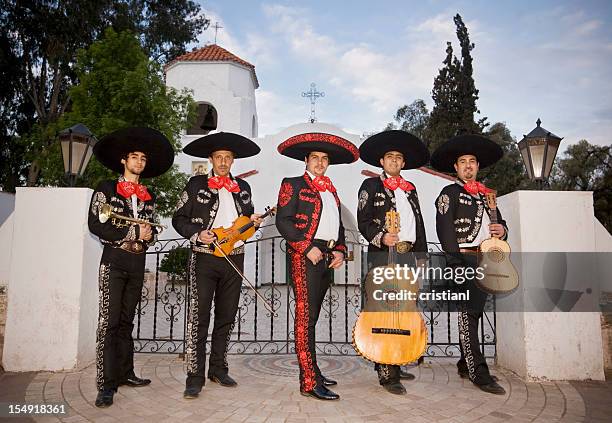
(268, 392)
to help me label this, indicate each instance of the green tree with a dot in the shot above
(454, 94)
(508, 174)
(175, 263)
(412, 118)
(39, 41)
(587, 167)
(120, 86)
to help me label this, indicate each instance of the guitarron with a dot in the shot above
(390, 334)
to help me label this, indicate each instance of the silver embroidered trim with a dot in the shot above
(443, 204)
(197, 220)
(192, 321)
(363, 199)
(131, 235)
(245, 197)
(227, 341)
(377, 240)
(205, 196)
(104, 302)
(194, 238)
(182, 200)
(464, 338)
(98, 200)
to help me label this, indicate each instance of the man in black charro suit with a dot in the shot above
(209, 202)
(134, 153)
(394, 151)
(462, 223)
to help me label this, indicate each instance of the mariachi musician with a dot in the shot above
(309, 218)
(212, 201)
(134, 153)
(462, 223)
(393, 151)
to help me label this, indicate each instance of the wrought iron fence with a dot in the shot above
(161, 315)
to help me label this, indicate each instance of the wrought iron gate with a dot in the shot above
(161, 315)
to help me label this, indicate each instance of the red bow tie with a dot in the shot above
(474, 188)
(396, 182)
(127, 189)
(218, 182)
(323, 183)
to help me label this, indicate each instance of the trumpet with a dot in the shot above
(106, 212)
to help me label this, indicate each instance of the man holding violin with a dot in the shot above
(309, 218)
(133, 153)
(209, 202)
(394, 151)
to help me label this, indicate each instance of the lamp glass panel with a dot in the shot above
(525, 154)
(65, 152)
(537, 159)
(78, 151)
(553, 146)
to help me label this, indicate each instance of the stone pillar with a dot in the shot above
(53, 296)
(552, 345)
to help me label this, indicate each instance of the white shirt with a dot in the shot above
(483, 233)
(407, 221)
(329, 223)
(134, 205)
(226, 213)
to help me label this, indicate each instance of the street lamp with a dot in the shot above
(77, 146)
(538, 150)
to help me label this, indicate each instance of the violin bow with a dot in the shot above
(249, 284)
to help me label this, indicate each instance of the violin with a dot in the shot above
(242, 229)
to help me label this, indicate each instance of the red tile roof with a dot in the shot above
(213, 53)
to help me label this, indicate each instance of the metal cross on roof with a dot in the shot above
(313, 94)
(217, 28)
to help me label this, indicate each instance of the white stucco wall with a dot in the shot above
(549, 345)
(7, 206)
(53, 298)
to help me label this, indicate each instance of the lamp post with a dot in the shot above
(538, 150)
(77, 146)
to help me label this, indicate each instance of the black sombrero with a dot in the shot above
(487, 152)
(412, 148)
(339, 149)
(241, 146)
(113, 147)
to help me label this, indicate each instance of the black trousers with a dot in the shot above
(388, 373)
(469, 313)
(310, 284)
(121, 276)
(211, 277)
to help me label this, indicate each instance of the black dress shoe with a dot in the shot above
(135, 382)
(191, 392)
(406, 376)
(395, 388)
(466, 375)
(492, 388)
(321, 392)
(328, 382)
(105, 398)
(224, 380)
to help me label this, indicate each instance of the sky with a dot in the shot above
(533, 59)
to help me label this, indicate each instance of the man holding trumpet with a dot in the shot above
(121, 214)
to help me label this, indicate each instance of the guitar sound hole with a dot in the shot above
(496, 255)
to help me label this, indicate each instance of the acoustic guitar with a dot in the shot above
(500, 275)
(390, 332)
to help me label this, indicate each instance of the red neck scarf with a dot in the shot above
(218, 182)
(127, 189)
(475, 188)
(395, 182)
(323, 183)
